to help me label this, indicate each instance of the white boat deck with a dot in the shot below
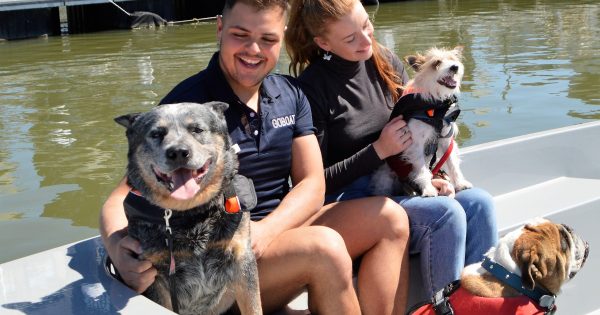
(554, 174)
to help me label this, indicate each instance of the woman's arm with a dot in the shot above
(302, 202)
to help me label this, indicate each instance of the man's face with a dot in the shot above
(250, 44)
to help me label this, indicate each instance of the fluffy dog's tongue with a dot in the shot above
(184, 184)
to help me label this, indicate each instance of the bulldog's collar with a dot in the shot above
(541, 296)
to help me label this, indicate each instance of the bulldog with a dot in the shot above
(521, 275)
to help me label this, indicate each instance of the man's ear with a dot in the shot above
(219, 28)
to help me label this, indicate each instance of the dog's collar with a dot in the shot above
(544, 298)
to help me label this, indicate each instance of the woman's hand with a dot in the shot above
(395, 137)
(444, 187)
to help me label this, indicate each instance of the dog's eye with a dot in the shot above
(158, 133)
(436, 64)
(195, 129)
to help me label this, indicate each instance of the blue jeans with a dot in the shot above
(448, 233)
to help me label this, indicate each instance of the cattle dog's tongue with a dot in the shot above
(184, 184)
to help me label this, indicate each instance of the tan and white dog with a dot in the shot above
(541, 252)
(521, 275)
(429, 105)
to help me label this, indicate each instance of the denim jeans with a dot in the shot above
(448, 233)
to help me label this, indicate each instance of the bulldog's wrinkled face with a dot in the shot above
(548, 254)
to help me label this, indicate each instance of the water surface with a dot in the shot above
(530, 66)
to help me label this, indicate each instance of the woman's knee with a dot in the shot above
(327, 251)
(395, 219)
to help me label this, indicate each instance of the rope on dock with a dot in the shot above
(118, 6)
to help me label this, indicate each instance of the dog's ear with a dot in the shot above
(220, 107)
(415, 61)
(127, 120)
(458, 51)
(527, 255)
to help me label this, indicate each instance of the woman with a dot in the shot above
(352, 84)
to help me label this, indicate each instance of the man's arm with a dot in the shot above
(122, 249)
(302, 202)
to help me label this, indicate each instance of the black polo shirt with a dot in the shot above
(264, 139)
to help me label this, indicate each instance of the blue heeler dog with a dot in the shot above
(184, 208)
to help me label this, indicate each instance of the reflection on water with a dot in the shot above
(530, 66)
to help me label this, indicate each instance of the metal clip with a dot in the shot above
(168, 214)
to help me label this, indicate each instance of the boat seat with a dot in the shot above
(546, 198)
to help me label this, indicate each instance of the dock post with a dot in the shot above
(64, 20)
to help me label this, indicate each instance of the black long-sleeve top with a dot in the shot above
(350, 105)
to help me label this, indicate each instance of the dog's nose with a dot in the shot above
(454, 68)
(178, 154)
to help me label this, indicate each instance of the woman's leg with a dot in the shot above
(375, 228)
(437, 233)
(482, 230)
(313, 258)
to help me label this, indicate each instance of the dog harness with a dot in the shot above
(437, 114)
(139, 208)
(455, 300)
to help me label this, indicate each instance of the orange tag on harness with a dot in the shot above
(232, 205)
(430, 112)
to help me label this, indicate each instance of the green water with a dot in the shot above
(530, 66)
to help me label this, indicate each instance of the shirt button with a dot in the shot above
(256, 132)
(252, 114)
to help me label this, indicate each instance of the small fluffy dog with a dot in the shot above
(185, 211)
(429, 105)
(521, 275)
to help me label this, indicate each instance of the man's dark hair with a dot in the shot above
(257, 4)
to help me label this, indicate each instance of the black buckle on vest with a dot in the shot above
(441, 299)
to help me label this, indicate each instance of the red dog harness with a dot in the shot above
(462, 302)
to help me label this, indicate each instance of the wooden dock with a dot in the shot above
(21, 19)
(14, 5)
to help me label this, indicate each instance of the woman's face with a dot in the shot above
(350, 36)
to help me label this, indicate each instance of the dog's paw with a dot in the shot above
(462, 185)
(429, 191)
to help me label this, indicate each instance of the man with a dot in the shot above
(298, 244)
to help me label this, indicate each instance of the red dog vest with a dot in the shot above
(465, 303)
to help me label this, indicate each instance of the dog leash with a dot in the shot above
(169, 243)
(543, 298)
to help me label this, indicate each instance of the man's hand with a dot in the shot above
(137, 274)
(261, 238)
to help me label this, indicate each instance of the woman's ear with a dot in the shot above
(322, 43)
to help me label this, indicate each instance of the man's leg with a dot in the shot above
(314, 258)
(375, 228)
